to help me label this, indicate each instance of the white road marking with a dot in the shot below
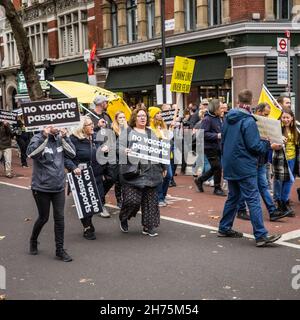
(14, 185)
(285, 237)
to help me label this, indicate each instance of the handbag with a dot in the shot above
(130, 171)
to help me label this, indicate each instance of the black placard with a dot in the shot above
(59, 113)
(85, 193)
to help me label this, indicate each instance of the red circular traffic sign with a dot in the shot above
(282, 44)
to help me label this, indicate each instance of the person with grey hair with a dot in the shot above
(86, 146)
(212, 126)
(99, 116)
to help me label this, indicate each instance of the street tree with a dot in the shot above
(35, 91)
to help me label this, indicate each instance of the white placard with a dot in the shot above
(159, 94)
(269, 129)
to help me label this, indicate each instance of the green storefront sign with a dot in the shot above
(21, 83)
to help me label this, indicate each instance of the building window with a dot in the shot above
(73, 33)
(114, 23)
(282, 9)
(11, 49)
(214, 12)
(190, 14)
(37, 35)
(150, 7)
(131, 7)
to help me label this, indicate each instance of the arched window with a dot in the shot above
(282, 9)
(114, 23)
(150, 8)
(214, 12)
(131, 7)
(190, 14)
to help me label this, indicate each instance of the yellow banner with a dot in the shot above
(266, 97)
(182, 74)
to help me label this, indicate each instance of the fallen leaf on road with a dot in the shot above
(215, 217)
(227, 287)
(191, 207)
(203, 236)
(2, 297)
(2, 237)
(212, 231)
(191, 213)
(85, 280)
(215, 252)
(27, 219)
(220, 246)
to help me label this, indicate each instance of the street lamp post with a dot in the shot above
(163, 49)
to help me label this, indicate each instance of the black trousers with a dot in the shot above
(43, 201)
(23, 144)
(214, 158)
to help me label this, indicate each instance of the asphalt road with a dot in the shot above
(183, 262)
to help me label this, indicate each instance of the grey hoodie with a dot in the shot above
(48, 173)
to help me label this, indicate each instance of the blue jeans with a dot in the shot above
(163, 187)
(282, 189)
(248, 189)
(263, 188)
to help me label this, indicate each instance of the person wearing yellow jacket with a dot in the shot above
(160, 129)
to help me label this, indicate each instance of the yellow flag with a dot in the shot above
(266, 97)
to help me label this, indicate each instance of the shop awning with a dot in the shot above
(133, 78)
(69, 71)
(210, 69)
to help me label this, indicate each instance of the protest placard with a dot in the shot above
(58, 113)
(168, 116)
(269, 129)
(85, 193)
(182, 74)
(148, 148)
(8, 116)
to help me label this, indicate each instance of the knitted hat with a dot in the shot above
(152, 111)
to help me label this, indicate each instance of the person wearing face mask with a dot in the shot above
(47, 149)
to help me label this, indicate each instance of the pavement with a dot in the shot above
(187, 261)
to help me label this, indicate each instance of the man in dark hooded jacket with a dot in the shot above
(241, 146)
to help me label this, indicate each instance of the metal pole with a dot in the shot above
(288, 35)
(163, 50)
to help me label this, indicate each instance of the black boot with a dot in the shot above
(62, 255)
(33, 247)
(288, 210)
(89, 234)
(199, 184)
(243, 214)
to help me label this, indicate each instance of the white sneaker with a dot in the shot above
(162, 204)
(211, 183)
(207, 183)
(104, 213)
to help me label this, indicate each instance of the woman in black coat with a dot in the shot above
(86, 147)
(139, 179)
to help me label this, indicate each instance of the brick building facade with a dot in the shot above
(233, 42)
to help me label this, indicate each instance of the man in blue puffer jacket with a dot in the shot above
(241, 146)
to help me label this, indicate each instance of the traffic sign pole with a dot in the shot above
(287, 33)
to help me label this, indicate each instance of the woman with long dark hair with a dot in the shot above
(286, 162)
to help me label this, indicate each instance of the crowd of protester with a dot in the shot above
(237, 163)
